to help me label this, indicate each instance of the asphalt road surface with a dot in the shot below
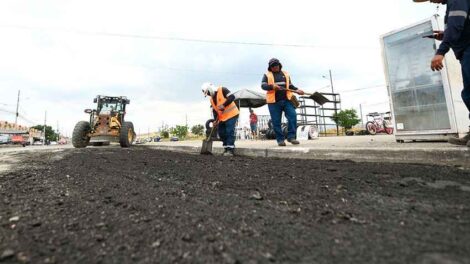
(112, 205)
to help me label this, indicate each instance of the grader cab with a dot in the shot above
(106, 124)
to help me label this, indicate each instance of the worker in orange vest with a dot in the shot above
(225, 112)
(279, 91)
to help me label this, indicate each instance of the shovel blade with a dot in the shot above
(206, 148)
(319, 98)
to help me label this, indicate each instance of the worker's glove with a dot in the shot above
(221, 107)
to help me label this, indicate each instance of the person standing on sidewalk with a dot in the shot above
(225, 112)
(253, 123)
(456, 37)
(279, 90)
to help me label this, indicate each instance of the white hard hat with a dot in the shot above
(208, 89)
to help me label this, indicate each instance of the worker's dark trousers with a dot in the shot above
(465, 61)
(227, 132)
(276, 110)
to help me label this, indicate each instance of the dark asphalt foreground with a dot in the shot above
(111, 205)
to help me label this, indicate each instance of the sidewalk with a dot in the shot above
(356, 148)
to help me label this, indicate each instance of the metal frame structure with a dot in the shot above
(311, 113)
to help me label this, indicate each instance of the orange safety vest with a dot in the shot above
(271, 95)
(230, 111)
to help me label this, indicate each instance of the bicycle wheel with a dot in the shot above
(371, 128)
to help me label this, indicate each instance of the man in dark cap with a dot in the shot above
(279, 91)
(456, 37)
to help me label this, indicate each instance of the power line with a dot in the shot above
(24, 118)
(153, 37)
(199, 71)
(363, 88)
(379, 103)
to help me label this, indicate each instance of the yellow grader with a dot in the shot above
(106, 124)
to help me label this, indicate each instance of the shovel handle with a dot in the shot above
(213, 128)
(295, 91)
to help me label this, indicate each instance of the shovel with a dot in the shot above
(316, 96)
(206, 148)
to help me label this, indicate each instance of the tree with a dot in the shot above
(198, 130)
(165, 134)
(51, 135)
(346, 118)
(180, 131)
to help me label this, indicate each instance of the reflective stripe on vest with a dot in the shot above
(271, 94)
(230, 111)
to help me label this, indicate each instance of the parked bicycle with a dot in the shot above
(380, 123)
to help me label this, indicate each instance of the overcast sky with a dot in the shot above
(61, 54)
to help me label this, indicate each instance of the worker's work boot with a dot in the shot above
(230, 152)
(281, 144)
(293, 141)
(460, 141)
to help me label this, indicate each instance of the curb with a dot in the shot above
(446, 157)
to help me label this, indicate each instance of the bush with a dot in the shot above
(346, 118)
(198, 130)
(180, 131)
(165, 134)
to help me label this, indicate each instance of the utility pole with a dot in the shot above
(44, 129)
(17, 108)
(360, 110)
(334, 98)
(331, 83)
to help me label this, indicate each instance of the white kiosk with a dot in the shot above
(425, 105)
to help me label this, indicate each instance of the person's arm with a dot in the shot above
(230, 98)
(264, 84)
(458, 14)
(443, 48)
(294, 88)
(291, 86)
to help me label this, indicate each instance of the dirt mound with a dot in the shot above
(138, 205)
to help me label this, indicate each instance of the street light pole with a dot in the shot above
(360, 109)
(331, 83)
(17, 108)
(334, 98)
(44, 129)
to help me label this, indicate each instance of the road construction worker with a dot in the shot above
(456, 37)
(279, 91)
(225, 113)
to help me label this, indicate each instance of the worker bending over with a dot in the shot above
(226, 114)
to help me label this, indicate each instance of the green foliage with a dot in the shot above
(346, 118)
(51, 135)
(198, 130)
(180, 131)
(165, 134)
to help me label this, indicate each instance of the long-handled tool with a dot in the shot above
(316, 96)
(206, 148)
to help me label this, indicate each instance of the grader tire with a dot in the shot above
(126, 135)
(80, 138)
